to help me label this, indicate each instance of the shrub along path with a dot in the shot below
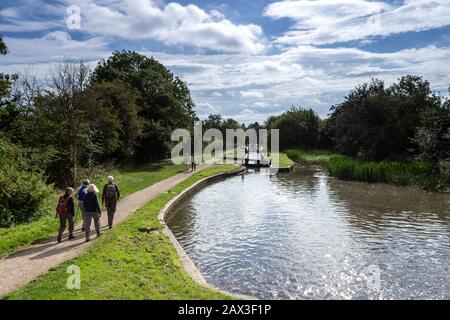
(25, 265)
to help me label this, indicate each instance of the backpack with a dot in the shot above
(63, 205)
(111, 192)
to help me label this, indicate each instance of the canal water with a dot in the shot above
(305, 235)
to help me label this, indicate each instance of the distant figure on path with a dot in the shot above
(194, 165)
(186, 162)
(81, 193)
(110, 196)
(92, 211)
(65, 211)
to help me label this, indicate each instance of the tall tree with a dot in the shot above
(73, 121)
(3, 47)
(68, 81)
(8, 101)
(298, 128)
(164, 100)
(433, 135)
(119, 100)
(230, 123)
(214, 121)
(375, 122)
(22, 189)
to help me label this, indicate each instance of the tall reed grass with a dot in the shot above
(420, 174)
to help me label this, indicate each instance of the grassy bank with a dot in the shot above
(281, 159)
(130, 180)
(419, 174)
(128, 264)
(310, 156)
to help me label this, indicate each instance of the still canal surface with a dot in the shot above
(305, 235)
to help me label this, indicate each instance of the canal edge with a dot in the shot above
(286, 169)
(187, 263)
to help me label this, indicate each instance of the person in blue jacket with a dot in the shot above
(81, 194)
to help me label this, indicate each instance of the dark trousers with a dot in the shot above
(111, 210)
(88, 216)
(63, 220)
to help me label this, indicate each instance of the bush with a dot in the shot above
(22, 192)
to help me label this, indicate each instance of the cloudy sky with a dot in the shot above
(245, 59)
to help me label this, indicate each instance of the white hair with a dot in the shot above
(92, 188)
(110, 179)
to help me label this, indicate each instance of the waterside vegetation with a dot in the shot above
(420, 174)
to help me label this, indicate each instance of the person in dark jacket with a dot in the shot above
(194, 163)
(110, 197)
(65, 211)
(92, 211)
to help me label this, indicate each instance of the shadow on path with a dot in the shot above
(57, 250)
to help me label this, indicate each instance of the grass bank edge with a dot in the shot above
(128, 264)
(417, 174)
(130, 179)
(281, 160)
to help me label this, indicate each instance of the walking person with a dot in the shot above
(194, 165)
(81, 194)
(65, 211)
(186, 162)
(92, 211)
(110, 196)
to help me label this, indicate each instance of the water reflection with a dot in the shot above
(305, 235)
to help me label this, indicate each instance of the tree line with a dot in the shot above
(122, 111)
(56, 132)
(405, 121)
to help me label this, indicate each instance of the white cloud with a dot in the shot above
(204, 109)
(332, 21)
(54, 46)
(26, 16)
(319, 77)
(216, 94)
(261, 104)
(10, 13)
(252, 94)
(18, 25)
(172, 24)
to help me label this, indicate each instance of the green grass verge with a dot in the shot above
(310, 156)
(281, 159)
(419, 174)
(130, 179)
(128, 264)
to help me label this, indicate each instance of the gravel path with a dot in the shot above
(25, 265)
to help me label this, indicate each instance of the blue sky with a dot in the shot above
(243, 59)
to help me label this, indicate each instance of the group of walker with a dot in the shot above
(89, 207)
(192, 161)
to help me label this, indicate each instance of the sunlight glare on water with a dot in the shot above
(304, 235)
